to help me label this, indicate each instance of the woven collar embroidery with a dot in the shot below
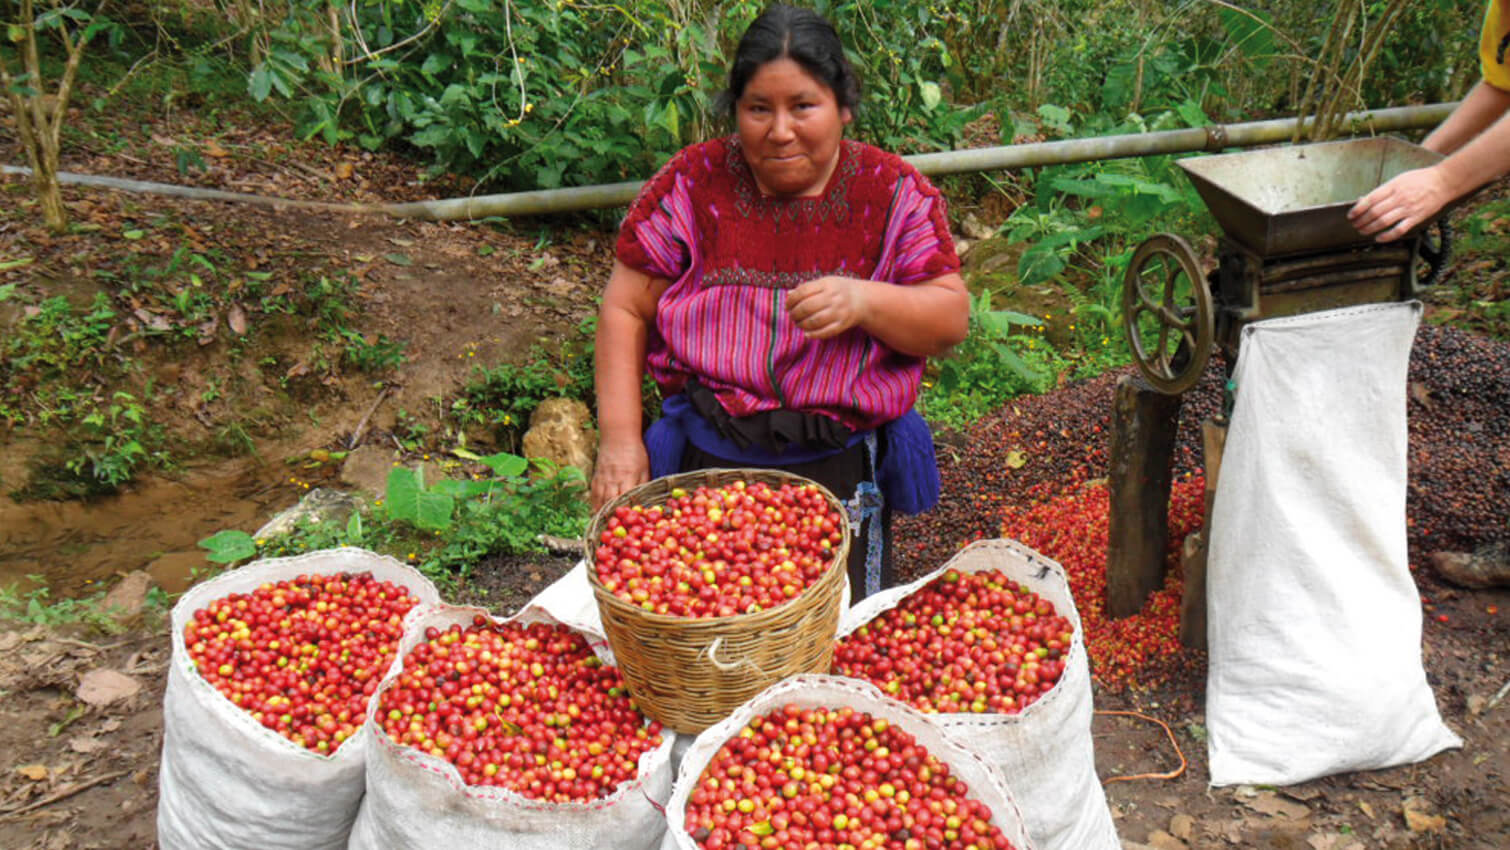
(750, 203)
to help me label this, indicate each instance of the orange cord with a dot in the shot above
(1171, 775)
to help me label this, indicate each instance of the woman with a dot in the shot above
(783, 286)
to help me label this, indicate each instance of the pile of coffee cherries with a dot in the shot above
(827, 778)
(719, 551)
(302, 656)
(529, 708)
(965, 642)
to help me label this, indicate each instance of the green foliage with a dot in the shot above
(991, 366)
(371, 354)
(229, 546)
(57, 338)
(514, 92)
(1083, 224)
(444, 528)
(502, 397)
(116, 441)
(36, 606)
(539, 94)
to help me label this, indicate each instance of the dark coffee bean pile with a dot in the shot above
(1459, 406)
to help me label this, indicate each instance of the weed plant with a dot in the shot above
(443, 528)
(35, 606)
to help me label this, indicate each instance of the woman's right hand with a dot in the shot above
(620, 466)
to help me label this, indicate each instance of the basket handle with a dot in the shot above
(711, 651)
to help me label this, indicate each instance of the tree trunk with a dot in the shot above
(44, 180)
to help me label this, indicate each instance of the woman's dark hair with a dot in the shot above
(802, 35)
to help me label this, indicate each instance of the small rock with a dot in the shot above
(1488, 567)
(102, 687)
(560, 433)
(1476, 703)
(1182, 827)
(85, 744)
(126, 600)
(1161, 840)
(318, 504)
(974, 228)
(1419, 818)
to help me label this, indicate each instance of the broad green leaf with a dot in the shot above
(505, 465)
(260, 85)
(931, 92)
(354, 529)
(398, 259)
(402, 494)
(133, 235)
(435, 63)
(433, 511)
(1193, 114)
(671, 120)
(7, 265)
(280, 82)
(229, 546)
(464, 489)
(1055, 116)
(1009, 359)
(1251, 32)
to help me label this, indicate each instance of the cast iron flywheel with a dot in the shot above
(1166, 311)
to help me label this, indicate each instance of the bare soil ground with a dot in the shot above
(81, 772)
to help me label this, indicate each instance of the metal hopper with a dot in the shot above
(1294, 200)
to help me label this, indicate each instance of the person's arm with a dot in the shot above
(1482, 107)
(1476, 137)
(924, 319)
(624, 321)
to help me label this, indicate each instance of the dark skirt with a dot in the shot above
(841, 474)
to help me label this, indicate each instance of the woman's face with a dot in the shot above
(790, 126)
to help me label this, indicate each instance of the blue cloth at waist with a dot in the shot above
(907, 471)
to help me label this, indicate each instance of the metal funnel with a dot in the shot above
(1294, 199)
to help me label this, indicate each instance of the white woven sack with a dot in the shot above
(1044, 751)
(415, 800)
(1314, 623)
(818, 691)
(225, 780)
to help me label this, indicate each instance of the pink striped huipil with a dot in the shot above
(732, 254)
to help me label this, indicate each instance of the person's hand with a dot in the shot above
(619, 467)
(1393, 209)
(828, 306)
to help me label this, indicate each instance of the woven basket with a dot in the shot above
(690, 673)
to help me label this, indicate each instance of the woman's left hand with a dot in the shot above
(828, 306)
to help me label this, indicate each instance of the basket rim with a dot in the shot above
(600, 518)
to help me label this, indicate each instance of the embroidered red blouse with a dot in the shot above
(732, 254)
